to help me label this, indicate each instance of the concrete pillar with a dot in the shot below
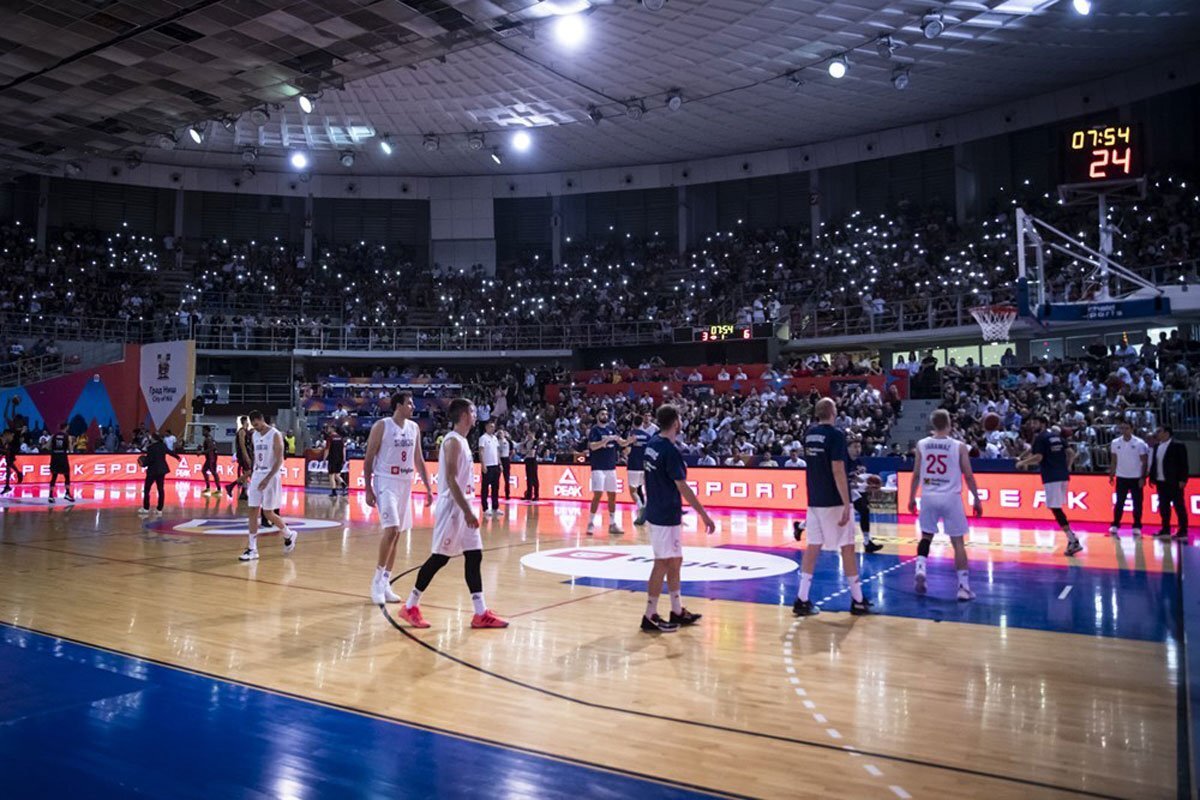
(814, 204)
(43, 211)
(681, 215)
(308, 230)
(966, 186)
(556, 229)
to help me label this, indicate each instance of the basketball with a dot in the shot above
(874, 483)
(991, 421)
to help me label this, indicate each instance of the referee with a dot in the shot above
(1130, 463)
(60, 446)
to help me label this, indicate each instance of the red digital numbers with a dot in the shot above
(1103, 159)
(746, 333)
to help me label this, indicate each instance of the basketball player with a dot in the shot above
(265, 488)
(1053, 457)
(603, 446)
(666, 484)
(455, 527)
(942, 466)
(393, 452)
(14, 430)
(639, 437)
(241, 453)
(60, 448)
(335, 459)
(856, 472)
(830, 524)
(209, 448)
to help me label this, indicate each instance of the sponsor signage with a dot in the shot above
(109, 468)
(633, 562)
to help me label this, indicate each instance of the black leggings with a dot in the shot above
(532, 487)
(158, 481)
(473, 570)
(863, 506)
(210, 468)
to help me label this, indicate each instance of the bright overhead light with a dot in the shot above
(196, 132)
(347, 159)
(1082, 7)
(838, 67)
(496, 157)
(306, 104)
(521, 141)
(932, 24)
(570, 30)
(385, 144)
(299, 160)
(900, 78)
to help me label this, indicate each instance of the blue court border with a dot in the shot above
(135, 674)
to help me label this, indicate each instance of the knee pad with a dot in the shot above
(923, 546)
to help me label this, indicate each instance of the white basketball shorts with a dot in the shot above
(636, 478)
(451, 536)
(823, 528)
(666, 540)
(604, 480)
(947, 509)
(393, 498)
(1056, 494)
(269, 498)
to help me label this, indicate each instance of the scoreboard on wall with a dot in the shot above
(724, 331)
(1096, 153)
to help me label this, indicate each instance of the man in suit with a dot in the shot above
(1169, 471)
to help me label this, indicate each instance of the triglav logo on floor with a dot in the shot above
(238, 526)
(633, 563)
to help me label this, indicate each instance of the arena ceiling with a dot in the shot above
(81, 79)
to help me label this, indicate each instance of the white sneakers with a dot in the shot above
(1112, 530)
(381, 592)
(248, 555)
(919, 583)
(965, 593)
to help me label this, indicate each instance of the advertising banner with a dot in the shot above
(166, 377)
(119, 467)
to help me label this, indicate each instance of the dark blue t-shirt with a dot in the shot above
(1053, 450)
(604, 457)
(823, 445)
(637, 450)
(664, 465)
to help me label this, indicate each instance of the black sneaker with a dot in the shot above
(1073, 547)
(685, 618)
(51, 501)
(333, 492)
(860, 609)
(872, 547)
(797, 530)
(805, 608)
(657, 624)
(1163, 534)
(70, 497)
(641, 519)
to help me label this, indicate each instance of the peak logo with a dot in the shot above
(633, 563)
(567, 485)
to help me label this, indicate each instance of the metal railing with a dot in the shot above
(931, 313)
(30, 369)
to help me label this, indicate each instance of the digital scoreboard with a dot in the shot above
(724, 331)
(1102, 153)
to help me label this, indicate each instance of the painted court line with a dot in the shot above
(1063, 594)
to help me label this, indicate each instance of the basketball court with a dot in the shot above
(141, 652)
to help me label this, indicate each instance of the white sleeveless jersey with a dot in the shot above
(263, 444)
(397, 450)
(941, 465)
(461, 471)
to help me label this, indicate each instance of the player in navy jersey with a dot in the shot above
(856, 472)
(830, 521)
(1053, 457)
(666, 487)
(640, 435)
(604, 444)
(60, 448)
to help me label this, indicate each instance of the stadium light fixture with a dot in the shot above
(570, 30)
(932, 24)
(430, 143)
(900, 78)
(838, 67)
(675, 100)
(385, 144)
(196, 132)
(306, 103)
(299, 160)
(475, 141)
(347, 159)
(1082, 7)
(522, 141)
(595, 115)
(496, 156)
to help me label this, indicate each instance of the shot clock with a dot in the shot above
(1103, 153)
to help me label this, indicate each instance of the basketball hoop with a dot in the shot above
(995, 321)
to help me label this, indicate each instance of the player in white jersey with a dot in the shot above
(943, 464)
(455, 527)
(265, 488)
(393, 454)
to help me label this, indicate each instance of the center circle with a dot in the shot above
(633, 562)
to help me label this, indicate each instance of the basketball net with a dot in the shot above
(995, 321)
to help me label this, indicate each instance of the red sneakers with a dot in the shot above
(488, 620)
(413, 615)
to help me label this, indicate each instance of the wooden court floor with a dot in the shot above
(1060, 680)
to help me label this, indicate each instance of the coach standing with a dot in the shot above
(1169, 471)
(489, 459)
(530, 452)
(1130, 458)
(155, 462)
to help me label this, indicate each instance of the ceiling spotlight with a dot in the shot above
(229, 122)
(347, 159)
(165, 141)
(260, 116)
(1082, 7)
(475, 141)
(496, 156)
(431, 143)
(900, 78)
(674, 100)
(305, 177)
(635, 110)
(248, 171)
(595, 115)
(521, 141)
(794, 81)
(570, 30)
(653, 5)
(133, 160)
(385, 144)
(73, 168)
(196, 132)
(932, 24)
(838, 67)
(299, 160)
(306, 103)
(885, 46)
(249, 155)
